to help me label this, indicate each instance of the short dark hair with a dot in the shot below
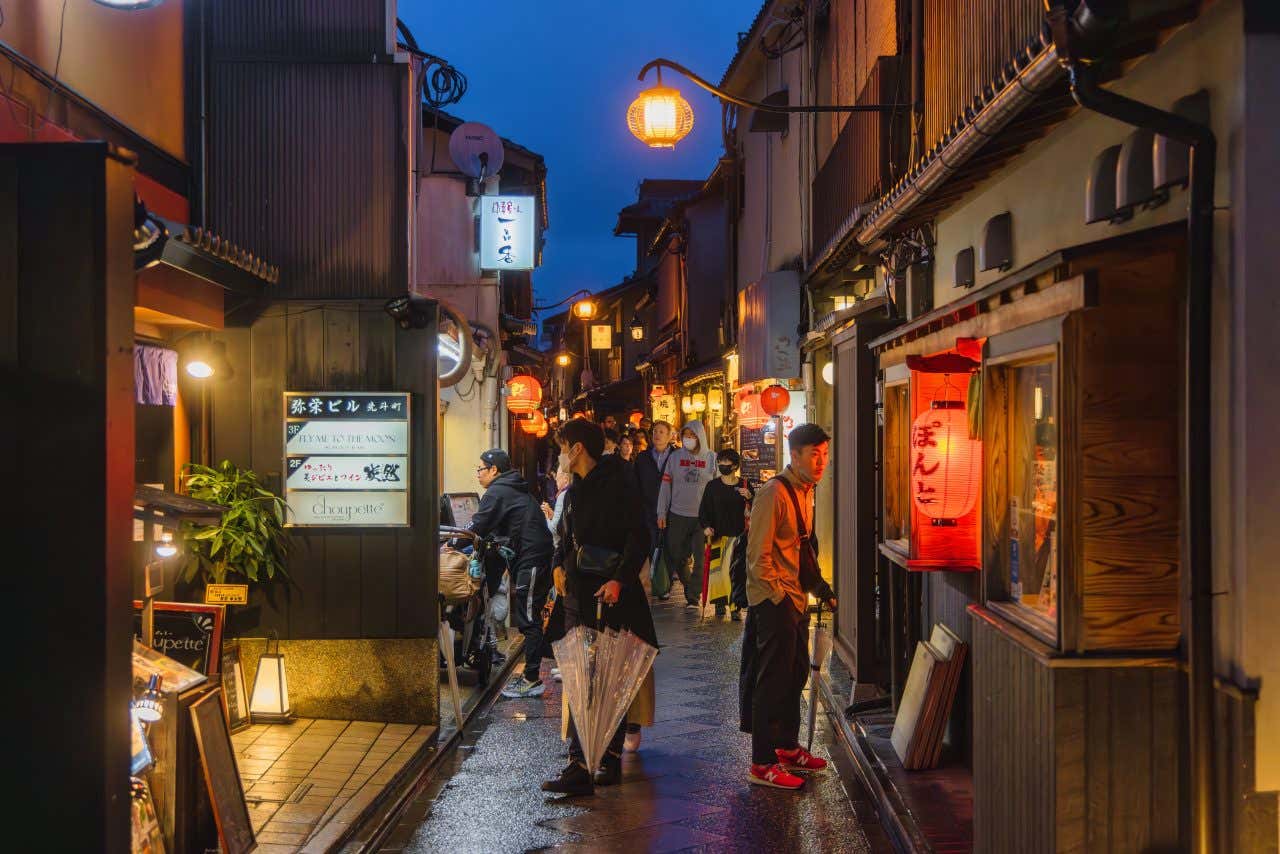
(581, 431)
(611, 435)
(806, 436)
(729, 455)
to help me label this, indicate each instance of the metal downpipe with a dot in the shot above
(1196, 472)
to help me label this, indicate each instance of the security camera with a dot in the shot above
(410, 311)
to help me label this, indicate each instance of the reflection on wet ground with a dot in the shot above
(685, 790)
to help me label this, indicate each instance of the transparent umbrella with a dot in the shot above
(600, 673)
(817, 661)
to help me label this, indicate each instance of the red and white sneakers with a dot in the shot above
(801, 760)
(774, 775)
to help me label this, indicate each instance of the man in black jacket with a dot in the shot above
(649, 466)
(510, 516)
(603, 510)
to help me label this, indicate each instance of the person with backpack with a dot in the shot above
(686, 475)
(510, 517)
(782, 570)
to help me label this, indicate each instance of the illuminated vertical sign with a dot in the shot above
(507, 228)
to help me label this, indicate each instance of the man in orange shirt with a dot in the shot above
(781, 572)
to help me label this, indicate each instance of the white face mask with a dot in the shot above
(690, 444)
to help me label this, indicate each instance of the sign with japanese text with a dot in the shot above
(226, 594)
(601, 336)
(347, 458)
(664, 408)
(346, 473)
(508, 225)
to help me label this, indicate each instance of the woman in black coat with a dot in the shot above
(603, 510)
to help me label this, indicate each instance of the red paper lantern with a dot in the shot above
(524, 393)
(750, 413)
(774, 400)
(542, 430)
(635, 418)
(946, 465)
(534, 423)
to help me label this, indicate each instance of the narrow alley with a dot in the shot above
(684, 791)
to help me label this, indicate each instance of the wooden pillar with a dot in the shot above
(66, 314)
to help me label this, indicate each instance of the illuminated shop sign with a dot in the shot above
(507, 228)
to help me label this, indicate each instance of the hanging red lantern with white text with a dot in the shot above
(774, 400)
(750, 413)
(524, 394)
(946, 465)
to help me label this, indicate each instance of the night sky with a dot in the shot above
(556, 76)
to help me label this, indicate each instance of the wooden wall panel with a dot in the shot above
(343, 583)
(947, 596)
(1086, 757)
(229, 397)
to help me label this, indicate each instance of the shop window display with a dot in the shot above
(1025, 392)
(897, 437)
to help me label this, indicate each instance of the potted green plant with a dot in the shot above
(250, 541)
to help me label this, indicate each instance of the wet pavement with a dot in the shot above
(684, 791)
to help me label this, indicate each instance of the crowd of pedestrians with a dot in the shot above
(620, 499)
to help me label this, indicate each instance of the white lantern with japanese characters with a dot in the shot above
(946, 464)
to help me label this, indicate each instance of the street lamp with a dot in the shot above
(584, 309)
(660, 117)
(563, 359)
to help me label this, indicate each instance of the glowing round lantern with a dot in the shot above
(542, 431)
(774, 400)
(686, 405)
(524, 393)
(946, 465)
(660, 117)
(535, 422)
(750, 413)
(635, 418)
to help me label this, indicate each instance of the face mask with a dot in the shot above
(726, 468)
(690, 444)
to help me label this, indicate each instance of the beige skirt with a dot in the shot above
(641, 712)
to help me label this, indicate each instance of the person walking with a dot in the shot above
(603, 545)
(610, 440)
(782, 570)
(723, 513)
(684, 478)
(649, 467)
(510, 517)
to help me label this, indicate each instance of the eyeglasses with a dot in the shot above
(482, 468)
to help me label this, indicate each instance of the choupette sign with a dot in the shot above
(347, 458)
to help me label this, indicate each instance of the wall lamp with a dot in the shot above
(660, 117)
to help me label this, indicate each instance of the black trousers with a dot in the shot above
(780, 666)
(530, 584)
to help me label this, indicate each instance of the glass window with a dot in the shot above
(1030, 550)
(897, 434)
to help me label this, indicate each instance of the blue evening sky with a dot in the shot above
(556, 76)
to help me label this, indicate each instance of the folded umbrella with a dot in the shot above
(446, 640)
(706, 573)
(600, 673)
(817, 661)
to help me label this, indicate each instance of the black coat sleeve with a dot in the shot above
(487, 515)
(564, 531)
(707, 507)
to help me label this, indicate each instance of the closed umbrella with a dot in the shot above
(706, 575)
(817, 661)
(600, 673)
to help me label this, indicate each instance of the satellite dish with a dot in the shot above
(476, 149)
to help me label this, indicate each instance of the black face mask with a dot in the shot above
(726, 468)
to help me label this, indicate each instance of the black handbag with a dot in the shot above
(598, 561)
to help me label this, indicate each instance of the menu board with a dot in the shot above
(188, 633)
(759, 455)
(347, 458)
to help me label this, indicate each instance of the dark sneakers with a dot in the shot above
(573, 780)
(610, 773)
